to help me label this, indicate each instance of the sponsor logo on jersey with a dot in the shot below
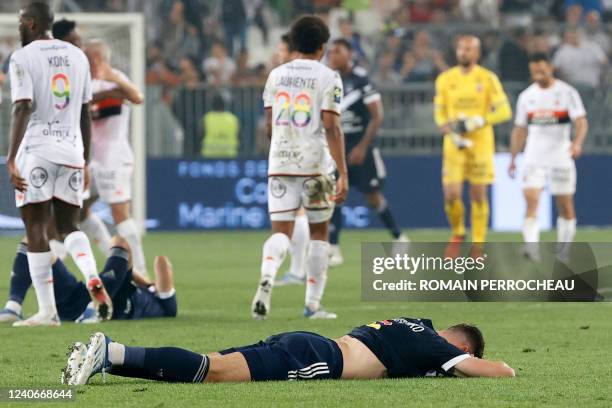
(277, 187)
(76, 180)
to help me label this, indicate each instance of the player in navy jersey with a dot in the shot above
(132, 294)
(394, 348)
(362, 116)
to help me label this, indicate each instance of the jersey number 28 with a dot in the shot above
(298, 111)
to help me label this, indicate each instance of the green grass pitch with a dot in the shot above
(561, 351)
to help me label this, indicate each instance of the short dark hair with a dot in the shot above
(308, 34)
(344, 43)
(41, 13)
(217, 103)
(474, 337)
(287, 40)
(61, 29)
(539, 57)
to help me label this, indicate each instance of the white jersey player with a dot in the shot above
(302, 102)
(112, 158)
(49, 151)
(544, 115)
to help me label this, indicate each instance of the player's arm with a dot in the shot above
(581, 128)
(22, 94)
(517, 142)
(476, 367)
(132, 93)
(20, 116)
(335, 141)
(441, 106)
(116, 93)
(86, 135)
(499, 110)
(268, 112)
(375, 107)
(581, 125)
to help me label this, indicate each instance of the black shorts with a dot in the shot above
(369, 176)
(292, 356)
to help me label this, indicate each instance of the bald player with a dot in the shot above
(112, 158)
(469, 101)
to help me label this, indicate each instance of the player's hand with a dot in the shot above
(469, 124)
(576, 150)
(16, 180)
(357, 155)
(512, 169)
(86, 178)
(342, 188)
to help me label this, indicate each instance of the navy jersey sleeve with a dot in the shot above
(368, 91)
(444, 356)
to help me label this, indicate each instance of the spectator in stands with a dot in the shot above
(219, 67)
(221, 131)
(579, 62)
(482, 11)
(540, 43)
(346, 31)
(179, 37)
(384, 72)
(234, 19)
(516, 12)
(422, 62)
(421, 11)
(189, 75)
(243, 75)
(513, 56)
(576, 10)
(594, 32)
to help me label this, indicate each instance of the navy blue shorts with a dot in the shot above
(369, 176)
(292, 356)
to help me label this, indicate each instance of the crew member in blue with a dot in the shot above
(133, 296)
(396, 348)
(362, 116)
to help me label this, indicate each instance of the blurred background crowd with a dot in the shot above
(199, 45)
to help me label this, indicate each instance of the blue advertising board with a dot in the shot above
(232, 194)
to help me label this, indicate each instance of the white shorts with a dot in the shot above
(561, 179)
(47, 180)
(112, 184)
(286, 194)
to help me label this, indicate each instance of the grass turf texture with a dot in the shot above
(561, 351)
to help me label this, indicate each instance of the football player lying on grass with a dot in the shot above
(402, 347)
(133, 296)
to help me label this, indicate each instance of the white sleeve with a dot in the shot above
(22, 86)
(520, 118)
(268, 93)
(332, 95)
(454, 361)
(87, 93)
(576, 108)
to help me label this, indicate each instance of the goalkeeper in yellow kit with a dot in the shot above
(469, 101)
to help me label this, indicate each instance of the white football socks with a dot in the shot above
(58, 249)
(316, 269)
(129, 231)
(566, 229)
(42, 280)
(274, 251)
(95, 228)
(79, 248)
(13, 306)
(299, 246)
(531, 230)
(116, 353)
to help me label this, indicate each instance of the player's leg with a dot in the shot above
(20, 282)
(284, 199)
(66, 208)
(531, 226)
(318, 200)
(335, 227)
(479, 211)
(94, 227)
(127, 228)
(563, 187)
(453, 178)
(299, 247)
(164, 285)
